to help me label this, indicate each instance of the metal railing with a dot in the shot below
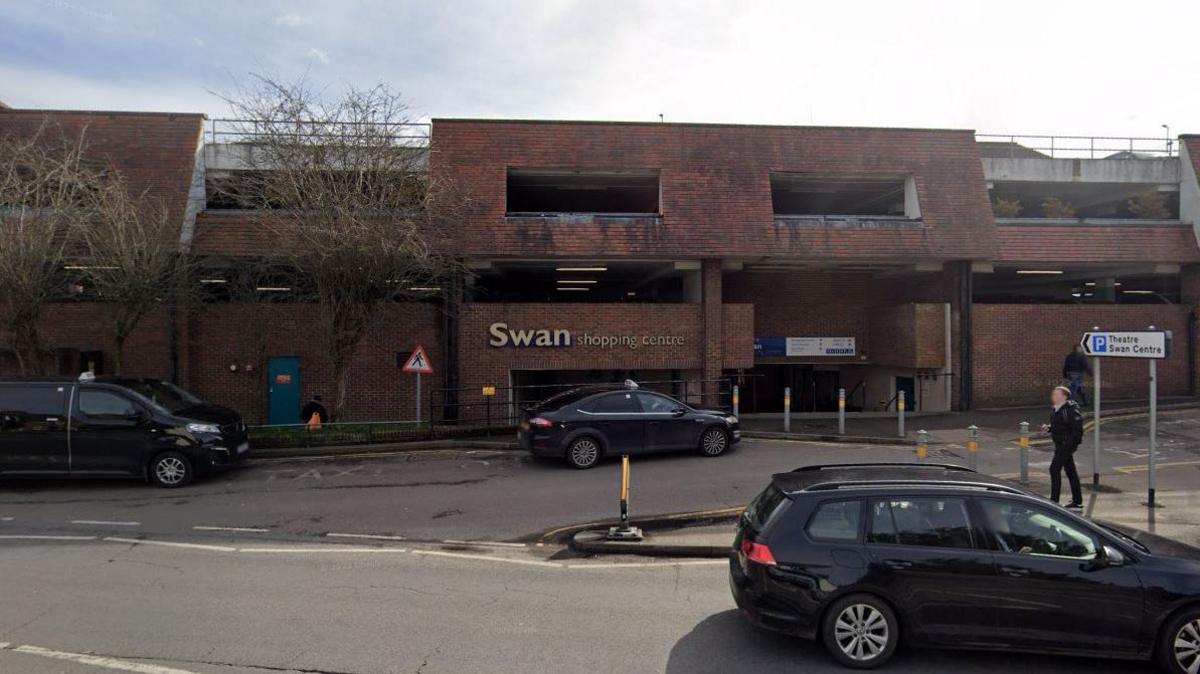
(344, 433)
(1079, 147)
(229, 130)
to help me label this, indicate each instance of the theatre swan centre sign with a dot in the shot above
(501, 336)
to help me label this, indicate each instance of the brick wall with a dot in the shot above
(909, 336)
(84, 326)
(1019, 350)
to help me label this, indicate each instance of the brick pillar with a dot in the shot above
(714, 329)
(1190, 297)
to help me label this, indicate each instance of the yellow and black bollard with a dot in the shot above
(624, 532)
(973, 447)
(922, 444)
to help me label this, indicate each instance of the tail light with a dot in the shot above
(539, 422)
(757, 552)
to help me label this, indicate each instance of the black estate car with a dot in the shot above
(114, 427)
(862, 556)
(585, 424)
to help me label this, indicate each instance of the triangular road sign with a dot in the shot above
(418, 362)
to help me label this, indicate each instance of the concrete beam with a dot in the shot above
(1144, 171)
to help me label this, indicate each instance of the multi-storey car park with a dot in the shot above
(957, 267)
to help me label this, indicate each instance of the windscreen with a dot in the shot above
(167, 396)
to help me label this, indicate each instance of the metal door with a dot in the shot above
(283, 390)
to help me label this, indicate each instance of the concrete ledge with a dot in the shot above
(334, 451)
(593, 542)
(829, 437)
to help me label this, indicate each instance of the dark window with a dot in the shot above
(105, 404)
(836, 521)
(616, 403)
(931, 522)
(764, 506)
(537, 192)
(34, 401)
(1028, 531)
(657, 404)
(796, 194)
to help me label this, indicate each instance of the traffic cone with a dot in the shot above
(314, 422)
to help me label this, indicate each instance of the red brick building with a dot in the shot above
(815, 258)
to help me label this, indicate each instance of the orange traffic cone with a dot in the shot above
(314, 422)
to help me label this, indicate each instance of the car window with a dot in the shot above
(1019, 528)
(764, 506)
(105, 404)
(34, 401)
(653, 404)
(928, 522)
(616, 403)
(836, 521)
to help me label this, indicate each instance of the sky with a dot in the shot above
(1101, 67)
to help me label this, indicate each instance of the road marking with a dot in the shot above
(373, 537)
(1143, 468)
(170, 544)
(494, 544)
(331, 548)
(645, 565)
(107, 523)
(101, 661)
(6, 519)
(43, 537)
(245, 530)
(487, 558)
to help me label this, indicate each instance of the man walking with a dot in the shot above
(1066, 429)
(1074, 368)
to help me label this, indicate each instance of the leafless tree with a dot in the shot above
(47, 187)
(342, 184)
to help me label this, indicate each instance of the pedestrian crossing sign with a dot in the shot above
(418, 362)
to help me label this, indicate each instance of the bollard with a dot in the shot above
(624, 532)
(900, 412)
(922, 444)
(973, 447)
(1024, 452)
(787, 409)
(841, 411)
(735, 400)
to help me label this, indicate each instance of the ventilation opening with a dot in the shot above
(1073, 201)
(806, 195)
(553, 192)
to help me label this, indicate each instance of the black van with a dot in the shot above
(114, 427)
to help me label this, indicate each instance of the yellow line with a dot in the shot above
(1143, 468)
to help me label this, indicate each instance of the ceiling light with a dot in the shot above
(1138, 292)
(1090, 283)
(631, 293)
(586, 282)
(273, 289)
(425, 289)
(574, 288)
(213, 280)
(581, 269)
(1046, 272)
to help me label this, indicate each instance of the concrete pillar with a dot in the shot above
(714, 328)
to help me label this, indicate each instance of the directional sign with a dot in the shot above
(1135, 344)
(418, 362)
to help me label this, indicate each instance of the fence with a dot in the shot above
(1079, 147)
(250, 130)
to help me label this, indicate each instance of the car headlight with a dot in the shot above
(204, 428)
(731, 420)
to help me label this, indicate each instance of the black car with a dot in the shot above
(862, 556)
(114, 427)
(586, 424)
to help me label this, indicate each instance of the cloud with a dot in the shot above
(318, 54)
(198, 42)
(290, 20)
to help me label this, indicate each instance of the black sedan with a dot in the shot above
(584, 425)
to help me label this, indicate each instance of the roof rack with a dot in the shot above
(986, 486)
(884, 464)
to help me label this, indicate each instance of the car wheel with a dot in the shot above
(714, 442)
(1179, 647)
(860, 631)
(584, 452)
(171, 469)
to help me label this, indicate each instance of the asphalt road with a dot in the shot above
(191, 611)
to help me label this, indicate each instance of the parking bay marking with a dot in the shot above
(171, 544)
(99, 661)
(244, 530)
(373, 537)
(44, 537)
(107, 523)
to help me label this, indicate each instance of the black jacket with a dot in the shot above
(1076, 362)
(1066, 427)
(312, 407)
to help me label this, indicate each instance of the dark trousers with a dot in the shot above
(1075, 383)
(1064, 459)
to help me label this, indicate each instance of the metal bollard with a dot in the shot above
(736, 400)
(922, 444)
(841, 411)
(900, 412)
(787, 409)
(1024, 441)
(973, 447)
(624, 532)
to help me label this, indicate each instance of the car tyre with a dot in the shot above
(170, 470)
(1179, 645)
(714, 441)
(584, 452)
(860, 631)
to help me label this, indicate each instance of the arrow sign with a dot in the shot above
(1130, 344)
(418, 362)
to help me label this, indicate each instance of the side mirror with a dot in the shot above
(1112, 556)
(678, 411)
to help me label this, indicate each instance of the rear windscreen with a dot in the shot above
(764, 506)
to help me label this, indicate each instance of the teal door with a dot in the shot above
(283, 390)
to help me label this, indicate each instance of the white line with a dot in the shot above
(487, 558)
(170, 544)
(373, 537)
(245, 530)
(332, 548)
(492, 544)
(106, 523)
(38, 537)
(101, 661)
(6, 519)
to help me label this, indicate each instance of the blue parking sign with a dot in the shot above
(1099, 343)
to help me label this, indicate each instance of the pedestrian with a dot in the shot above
(313, 414)
(1075, 367)
(1066, 429)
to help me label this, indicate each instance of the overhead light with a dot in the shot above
(1138, 292)
(425, 289)
(1044, 272)
(1076, 294)
(84, 267)
(574, 288)
(581, 269)
(631, 293)
(578, 281)
(273, 289)
(213, 280)
(1090, 283)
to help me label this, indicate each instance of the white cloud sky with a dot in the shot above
(1099, 67)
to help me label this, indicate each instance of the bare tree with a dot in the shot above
(46, 188)
(128, 256)
(343, 185)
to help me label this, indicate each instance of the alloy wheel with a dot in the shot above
(170, 470)
(585, 452)
(713, 442)
(861, 631)
(1187, 647)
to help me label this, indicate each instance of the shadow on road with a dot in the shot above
(726, 642)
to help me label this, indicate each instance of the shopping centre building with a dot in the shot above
(955, 267)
